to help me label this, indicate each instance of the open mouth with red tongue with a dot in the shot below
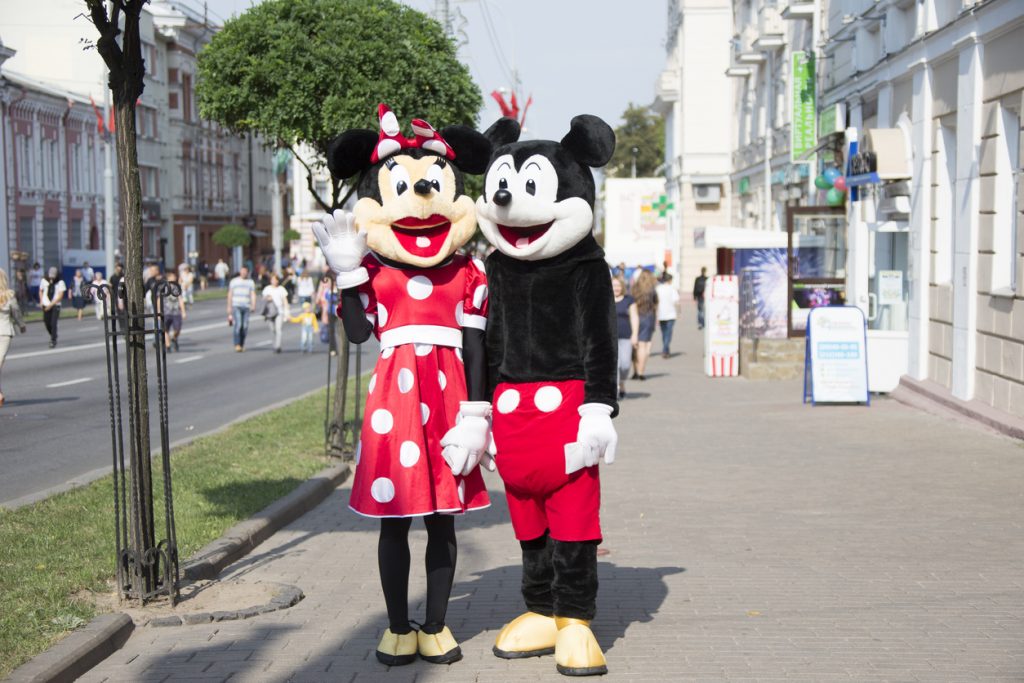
(523, 237)
(423, 237)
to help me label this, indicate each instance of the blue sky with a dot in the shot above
(573, 56)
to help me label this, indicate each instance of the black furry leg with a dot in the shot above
(442, 552)
(575, 579)
(393, 562)
(538, 575)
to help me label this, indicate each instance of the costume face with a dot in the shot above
(420, 218)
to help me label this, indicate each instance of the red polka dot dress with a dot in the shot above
(414, 392)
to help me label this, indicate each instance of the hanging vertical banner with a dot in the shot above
(803, 134)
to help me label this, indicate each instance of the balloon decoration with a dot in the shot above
(822, 183)
(840, 183)
(835, 197)
(831, 174)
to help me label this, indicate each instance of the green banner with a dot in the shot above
(803, 133)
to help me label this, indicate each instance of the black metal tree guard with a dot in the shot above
(341, 436)
(146, 568)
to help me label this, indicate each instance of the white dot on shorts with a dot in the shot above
(479, 294)
(386, 353)
(423, 242)
(423, 349)
(458, 353)
(462, 491)
(508, 401)
(420, 286)
(409, 453)
(382, 490)
(547, 399)
(364, 300)
(424, 412)
(441, 379)
(405, 380)
(382, 314)
(381, 421)
(372, 384)
(458, 313)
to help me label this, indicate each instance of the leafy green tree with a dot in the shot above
(302, 71)
(232, 236)
(291, 235)
(644, 131)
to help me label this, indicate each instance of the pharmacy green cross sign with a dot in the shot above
(662, 206)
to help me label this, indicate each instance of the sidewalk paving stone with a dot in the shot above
(749, 538)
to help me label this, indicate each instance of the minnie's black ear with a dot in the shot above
(349, 153)
(590, 140)
(503, 131)
(472, 149)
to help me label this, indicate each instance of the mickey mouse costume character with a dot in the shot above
(551, 348)
(427, 425)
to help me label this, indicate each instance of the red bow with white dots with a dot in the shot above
(391, 139)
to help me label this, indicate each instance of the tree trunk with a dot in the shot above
(338, 437)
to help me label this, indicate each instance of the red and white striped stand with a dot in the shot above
(722, 327)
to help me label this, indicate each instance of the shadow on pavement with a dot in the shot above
(15, 403)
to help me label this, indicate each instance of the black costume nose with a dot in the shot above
(422, 186)
(502, 197)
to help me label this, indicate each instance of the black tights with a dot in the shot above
(393, 560)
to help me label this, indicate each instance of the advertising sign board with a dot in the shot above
(803, 130)
(836, 364)
(722, 327)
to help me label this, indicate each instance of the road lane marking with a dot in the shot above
(265, 342)
(69, 382)
(188, 360)
(95, 345)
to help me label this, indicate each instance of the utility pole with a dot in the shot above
(109, 237)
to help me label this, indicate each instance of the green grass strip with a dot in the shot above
(53, 551)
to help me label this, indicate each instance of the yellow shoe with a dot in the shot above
(528, 635)
(576, 650)
(439, 648)
(397, 649)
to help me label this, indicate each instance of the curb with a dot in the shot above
(976, 411)
(288, 596)
(75, 655)
(240, 539)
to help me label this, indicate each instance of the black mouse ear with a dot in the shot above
(503, 131)
(472, 149)
(590, 140)
(349, 153)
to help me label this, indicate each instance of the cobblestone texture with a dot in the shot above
(749, 538)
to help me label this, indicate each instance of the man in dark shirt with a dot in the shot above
(698, 296)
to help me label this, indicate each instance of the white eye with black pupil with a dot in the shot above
(531, 187)
(435, 174)
(400, 179)
(401, 187)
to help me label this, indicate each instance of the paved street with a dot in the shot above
(55, 424)
(747, 537)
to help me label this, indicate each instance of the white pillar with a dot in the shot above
(276, 222)
(5, 230)
(920, 221)
(769, 130)
(965, 256)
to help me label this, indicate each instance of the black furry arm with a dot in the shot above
(474, 358)
(353, 318)
(495, 330)
(595, 327)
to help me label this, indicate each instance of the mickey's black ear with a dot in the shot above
(472, 149)
(503, 131)
(349, 153)
(590, 140)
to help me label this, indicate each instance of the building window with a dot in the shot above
(76, 240)
(172, 100)
(186, 97)
(25, 160)
(1004, 225)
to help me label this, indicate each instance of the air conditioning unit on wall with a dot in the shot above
(707, 194)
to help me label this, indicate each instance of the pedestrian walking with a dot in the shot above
(78, 283)
(668, 306)
(698, 295)
(99, 304)
(305, 288)
(241, 301)
(220, 272)
(646, 296)
(10, 320)
(275, 308)
(87, 271)
(288, 282)
(35, 276)
(627, 326)
(21, 288)
(188, 283)
(310, 327)
(173, 307)
(51, 293)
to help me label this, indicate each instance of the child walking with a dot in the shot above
(310, 327)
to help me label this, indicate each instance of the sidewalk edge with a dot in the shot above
(243, 537)
(988, 416)
(73, 656)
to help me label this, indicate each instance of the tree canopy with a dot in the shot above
(302, 71)
(231, 236)
(641, 129)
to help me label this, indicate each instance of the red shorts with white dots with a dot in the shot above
(532, 423)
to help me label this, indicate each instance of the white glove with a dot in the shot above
(596, 437)
(465, 444)
(344, 247)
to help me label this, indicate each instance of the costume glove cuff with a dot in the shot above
(353, 278)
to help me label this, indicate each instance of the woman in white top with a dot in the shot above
(668, 307)
(51, 293)
(306, 289)
(277, 295)
(10, 319)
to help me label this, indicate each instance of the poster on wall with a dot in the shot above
(836, 364)
(721, 327)
(890, 287)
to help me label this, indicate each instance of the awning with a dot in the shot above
(892, 152)
(731, 237)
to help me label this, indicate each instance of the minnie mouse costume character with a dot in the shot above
(427, 420)
(551, 349)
